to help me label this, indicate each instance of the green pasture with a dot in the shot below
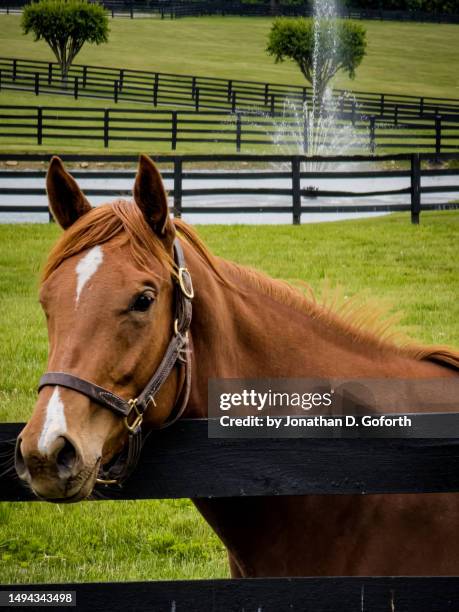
(411, 58)
(413, 267)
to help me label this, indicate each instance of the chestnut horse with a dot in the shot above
(108, 294)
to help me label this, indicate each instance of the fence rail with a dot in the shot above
(175, 9)
(301, 196)
(112, 126)
(209, 93)
(184, 462)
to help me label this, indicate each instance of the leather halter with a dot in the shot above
(132, 410)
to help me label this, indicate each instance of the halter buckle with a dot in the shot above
(133, 427)
(185, 282)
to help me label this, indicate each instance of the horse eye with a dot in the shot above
(143, 302)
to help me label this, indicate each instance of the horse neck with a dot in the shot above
(246, 332)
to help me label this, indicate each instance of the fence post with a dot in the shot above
(396, 115)
(15, 65)
(421, 107)
(230, 90)
(353, 112)
(174, 130)
(196, 99)
(0, 80)
(238, 132)
(296, 190)
(131, 11)
(39, 125)
(415, 188)
(266, 94)
(75, 88)
(193, 87)
(155, 90)
(233, 102)
(50, 73)
(37, 83)
(437, 137)
(372, 134)
(115, 91)
(106, 126)
(177, 188)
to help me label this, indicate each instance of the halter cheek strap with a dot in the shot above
(132, 410)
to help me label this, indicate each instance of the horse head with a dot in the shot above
(109, 293)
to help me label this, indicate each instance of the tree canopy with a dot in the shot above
(66, 25)
(340, 44)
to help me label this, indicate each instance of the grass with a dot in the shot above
(407, 58)
(414, 267)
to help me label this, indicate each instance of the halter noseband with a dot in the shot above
(132, 410)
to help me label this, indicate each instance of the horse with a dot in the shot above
(110, 290)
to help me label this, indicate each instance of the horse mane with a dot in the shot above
(364, 319)
(365, 322)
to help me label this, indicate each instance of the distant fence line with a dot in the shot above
(203, 93)
(294, 173)
(175, 9)
(40, 124)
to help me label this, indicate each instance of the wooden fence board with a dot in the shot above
(366, 594)
(183, 462)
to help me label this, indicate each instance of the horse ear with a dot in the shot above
(66, 200)
(150, 196)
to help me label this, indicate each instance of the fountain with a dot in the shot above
(314, 127)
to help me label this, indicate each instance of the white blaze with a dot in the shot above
(87, 267)
(55, 424)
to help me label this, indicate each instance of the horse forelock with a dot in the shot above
(113, 225)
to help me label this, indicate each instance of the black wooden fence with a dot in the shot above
(203, 93)
(184, 462)
(174, 9)
(291, 168)
(114, 127)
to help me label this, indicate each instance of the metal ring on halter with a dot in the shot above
(187, 291)
(106, 482)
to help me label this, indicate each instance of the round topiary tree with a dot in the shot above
(66, 25)
(320, 47)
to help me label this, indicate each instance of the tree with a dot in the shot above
(66, 25)
(320, 48)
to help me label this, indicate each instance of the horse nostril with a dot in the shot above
(66, 457)
(19, 462)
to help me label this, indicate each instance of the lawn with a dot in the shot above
(413, 267)
(408, 58)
